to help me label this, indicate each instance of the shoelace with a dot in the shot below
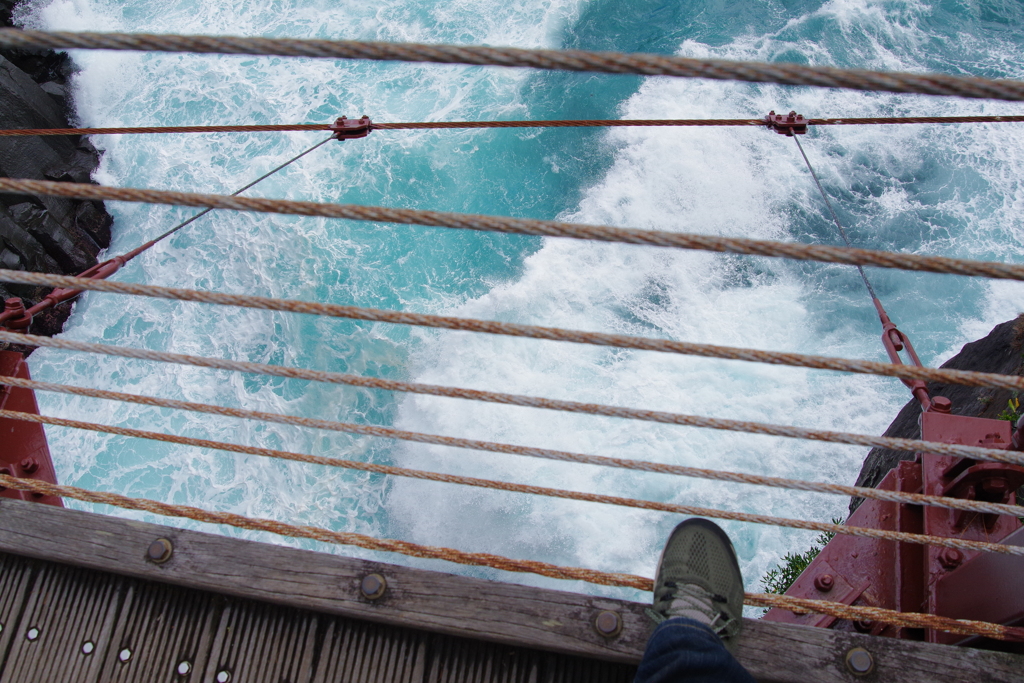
(692, 598)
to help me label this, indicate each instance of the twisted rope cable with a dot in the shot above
(880, 614)
(563, 60)
(863, 532)
(887, 120)
(420, 125)
(983, 507)
(438, 125)
(798, 605)
(149, 130)
(523, 226)
(766, 429)
(964, 377)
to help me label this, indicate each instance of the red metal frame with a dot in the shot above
(916, 578)
(23, 449)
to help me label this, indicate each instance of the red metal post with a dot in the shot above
(23, 448)
(971, 480)
(915, 578)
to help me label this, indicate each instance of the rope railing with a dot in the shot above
(522, 226)
(760, 428)
(862, 532)
(799, 605)
(982, 507)
(891, 120)
(963, 377)
(457, 125)
(563, 60)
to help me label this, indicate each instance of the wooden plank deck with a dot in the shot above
(80, 601)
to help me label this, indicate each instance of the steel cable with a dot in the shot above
(835, 217)
(564, 60)
(761, 428)
(438, 125)
(982, 507)
(138, 250)
(523, 226)
(963, 377)
(862, 532)
(799, 605)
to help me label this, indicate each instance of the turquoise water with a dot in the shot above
(922, 189)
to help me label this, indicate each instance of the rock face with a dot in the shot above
(1000, 352)
(44, 234)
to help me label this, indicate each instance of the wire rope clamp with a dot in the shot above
(786, 124)
(350, 129)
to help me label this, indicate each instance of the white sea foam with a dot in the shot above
(942, 190)
(733, 182)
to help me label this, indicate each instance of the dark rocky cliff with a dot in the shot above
(44, 234)
(1000, 352)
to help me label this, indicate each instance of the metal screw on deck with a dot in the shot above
(860, 662)
(373, 586)
(608, 624)
(160, 551)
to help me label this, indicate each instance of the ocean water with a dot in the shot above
(951, 190)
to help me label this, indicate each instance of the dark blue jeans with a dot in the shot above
(685, 651)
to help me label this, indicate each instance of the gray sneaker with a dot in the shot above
(699, 578)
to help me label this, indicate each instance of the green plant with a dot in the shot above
(1013, 411)
(778, 579)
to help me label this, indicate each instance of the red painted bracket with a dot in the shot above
(350, 129)
(786, 124)
(914, 578)
(23, 449)
(16, 317)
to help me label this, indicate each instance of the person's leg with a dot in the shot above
(698, 600)
(685, 650)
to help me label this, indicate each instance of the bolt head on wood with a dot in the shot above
(608, 623)
(373, 586)
(160, 551)
(860, 662)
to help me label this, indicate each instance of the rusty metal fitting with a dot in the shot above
(14, 316)
(29, 465)
(996, 486)
(950, 558)
(859, 661)
(865, 625)
(941, 404)
(786, 124)
(824, 582)
(160, 551)
(350, 129)
(608, 623)
(372, 586)
(13, 308)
